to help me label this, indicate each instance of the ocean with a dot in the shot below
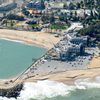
(83, 89)
(15, 57)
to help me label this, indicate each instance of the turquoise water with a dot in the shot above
(16, 57)
(88, 94)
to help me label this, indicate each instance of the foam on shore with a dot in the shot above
(87, 83)
(50, 89)
(12, 40)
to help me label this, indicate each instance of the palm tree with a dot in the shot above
(12, 23)
(5, 22)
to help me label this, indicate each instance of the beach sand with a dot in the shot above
(45, 40)
(68, 77)
(95, 63)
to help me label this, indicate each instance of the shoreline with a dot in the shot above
(39, 39)
(23, 42)
(66, 77)
(23, 37)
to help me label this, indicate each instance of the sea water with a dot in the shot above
(15, 57)
(52, 90)
(88, 94)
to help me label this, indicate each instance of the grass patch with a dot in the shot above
(34, 25)
(58, 26)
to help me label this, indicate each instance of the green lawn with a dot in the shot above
(34, 25)
(58, 26)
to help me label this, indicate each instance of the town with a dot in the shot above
(74, 23)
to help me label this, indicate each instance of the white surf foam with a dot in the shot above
(87, 83)
(44, 89)
(49, 89)
(12, 40)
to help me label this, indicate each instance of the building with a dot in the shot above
(39, 5)
(5, 2)
(7, 5)
(82, 39)
(70, 49)
(56, 5)
(71, 52)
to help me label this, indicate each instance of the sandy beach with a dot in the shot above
(95, 63)
(45, 40)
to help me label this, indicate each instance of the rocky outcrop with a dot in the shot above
(11, 92)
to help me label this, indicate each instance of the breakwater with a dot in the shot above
(12, 92)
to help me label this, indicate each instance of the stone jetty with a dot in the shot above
(13, 92)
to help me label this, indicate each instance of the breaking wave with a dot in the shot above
(87, 83)
(49, 89)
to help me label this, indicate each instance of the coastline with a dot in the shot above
(41, 39)
(66, 77)
(50, 50)
(26, 38)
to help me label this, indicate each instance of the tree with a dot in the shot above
(65, 6)
(92, 31)
(85, 3)
(63, 17)
(12, 23)
(89, 3)
(52, 19)
(25, 12)
(15, 17)
(81, 4)
(78, 6)
(42, 4)
(45, 18)
(76, 13)
(92, 14)
(71, 14)
(5, 22)
(71, 6)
